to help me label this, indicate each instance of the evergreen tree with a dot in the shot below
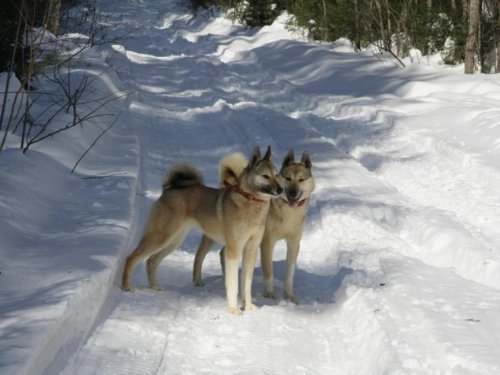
(259, 13)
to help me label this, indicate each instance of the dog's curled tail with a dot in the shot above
(182, 175)
(231, 167)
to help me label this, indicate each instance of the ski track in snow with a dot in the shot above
(396, 210)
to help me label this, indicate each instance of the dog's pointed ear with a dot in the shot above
(255, 157)
(306, 160)
(267, 156)
(289, 158)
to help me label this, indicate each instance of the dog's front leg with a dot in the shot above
(293, 246)
(249, 258)
(266, 258)
(232, 256)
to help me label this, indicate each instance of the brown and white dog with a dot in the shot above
(285, 220)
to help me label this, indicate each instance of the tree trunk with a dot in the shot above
(53, 16)
(325, 22)
(357, 31)
(381, 24)
(389, 26)
(497, 42)
(472, 36)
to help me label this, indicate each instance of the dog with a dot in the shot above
(285, 220)
(233, 216)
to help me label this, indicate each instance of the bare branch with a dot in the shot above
(391, 52)
(95, 141)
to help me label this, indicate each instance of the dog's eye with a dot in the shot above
(266, 176)
(288, 179)
(302, 179)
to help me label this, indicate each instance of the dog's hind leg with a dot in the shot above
(221, 260)
(154, 260)
(205, 245)
(150, 243)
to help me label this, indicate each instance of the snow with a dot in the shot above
(399, 269)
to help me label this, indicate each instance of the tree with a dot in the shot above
(490, 37)
(259, 13)
(70, 102)
(471, 43)
(53, 12)
(497, 40)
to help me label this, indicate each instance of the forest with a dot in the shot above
(38, 37)
(462, 31)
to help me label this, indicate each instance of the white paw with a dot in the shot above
(235, 311)
(251, 306)
(157, 287)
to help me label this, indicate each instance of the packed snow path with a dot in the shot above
(399, 270)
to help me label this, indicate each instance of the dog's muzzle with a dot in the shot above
(276, 190)
(293, 197)
(293, 194)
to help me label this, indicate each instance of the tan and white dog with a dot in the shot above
(285, 220)
(233, 216)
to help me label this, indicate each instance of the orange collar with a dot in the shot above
(247, 195)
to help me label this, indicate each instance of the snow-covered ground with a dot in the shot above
(399, 270)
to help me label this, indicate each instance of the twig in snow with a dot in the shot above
(95, 141)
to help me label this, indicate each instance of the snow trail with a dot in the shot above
(400, 256)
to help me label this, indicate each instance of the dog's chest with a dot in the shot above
(284, 220)
(256, 213)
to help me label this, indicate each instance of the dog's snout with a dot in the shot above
(292, 193)
(279, 189)
(272, 189)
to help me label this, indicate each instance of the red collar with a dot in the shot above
(298, 204)
(238, 190)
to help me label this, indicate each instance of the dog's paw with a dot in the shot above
(251, 306)
(157, 287)
(291, 298)
(127, 288)
(269, 295)
(198, 283)
(235, 311)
